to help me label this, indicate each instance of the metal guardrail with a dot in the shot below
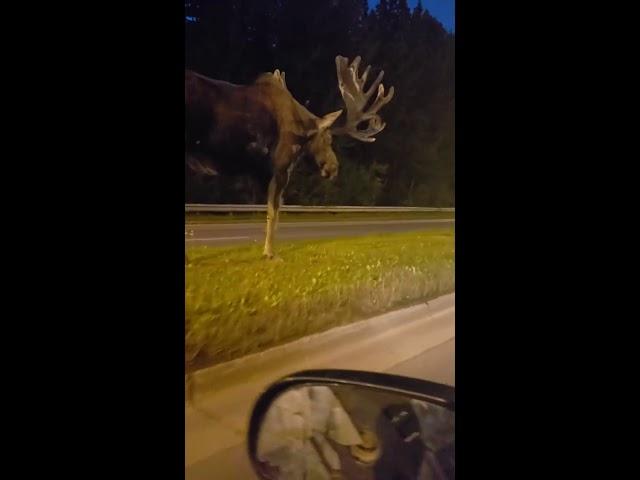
(203, 208)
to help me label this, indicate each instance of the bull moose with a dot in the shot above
(261, 131)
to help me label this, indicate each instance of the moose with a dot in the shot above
(260, 130)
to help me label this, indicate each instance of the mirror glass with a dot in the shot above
(324, 432)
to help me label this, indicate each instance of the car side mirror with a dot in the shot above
(329, 424)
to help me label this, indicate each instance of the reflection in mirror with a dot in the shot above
(350, 432)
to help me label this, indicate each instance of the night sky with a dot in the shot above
(443, 10)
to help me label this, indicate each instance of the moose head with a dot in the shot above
(320, 130)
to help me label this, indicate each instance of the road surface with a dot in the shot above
(436, 364)
(228, 457)
(239, 233)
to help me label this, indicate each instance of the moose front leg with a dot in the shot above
(274, 199)
(287, 177)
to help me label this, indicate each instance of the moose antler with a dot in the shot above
(280, 77)
(356, 99)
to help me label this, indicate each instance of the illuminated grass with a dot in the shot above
(237, 303)
(312, 217)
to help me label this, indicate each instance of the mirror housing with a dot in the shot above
(346, 424)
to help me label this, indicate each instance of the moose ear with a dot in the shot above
(326, 121)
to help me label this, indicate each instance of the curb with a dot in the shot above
(308, 350)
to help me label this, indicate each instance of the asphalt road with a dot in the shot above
(239, 233)
(228, 457)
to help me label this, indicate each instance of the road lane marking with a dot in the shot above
(215, 226)
(214, 239)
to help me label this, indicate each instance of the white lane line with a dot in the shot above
(214, 239)
(220, 226)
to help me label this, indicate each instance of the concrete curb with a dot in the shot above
(315, 351)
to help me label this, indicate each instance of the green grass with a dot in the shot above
(315, 217)
(238, 303)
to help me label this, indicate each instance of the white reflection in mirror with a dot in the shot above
(355, 433)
